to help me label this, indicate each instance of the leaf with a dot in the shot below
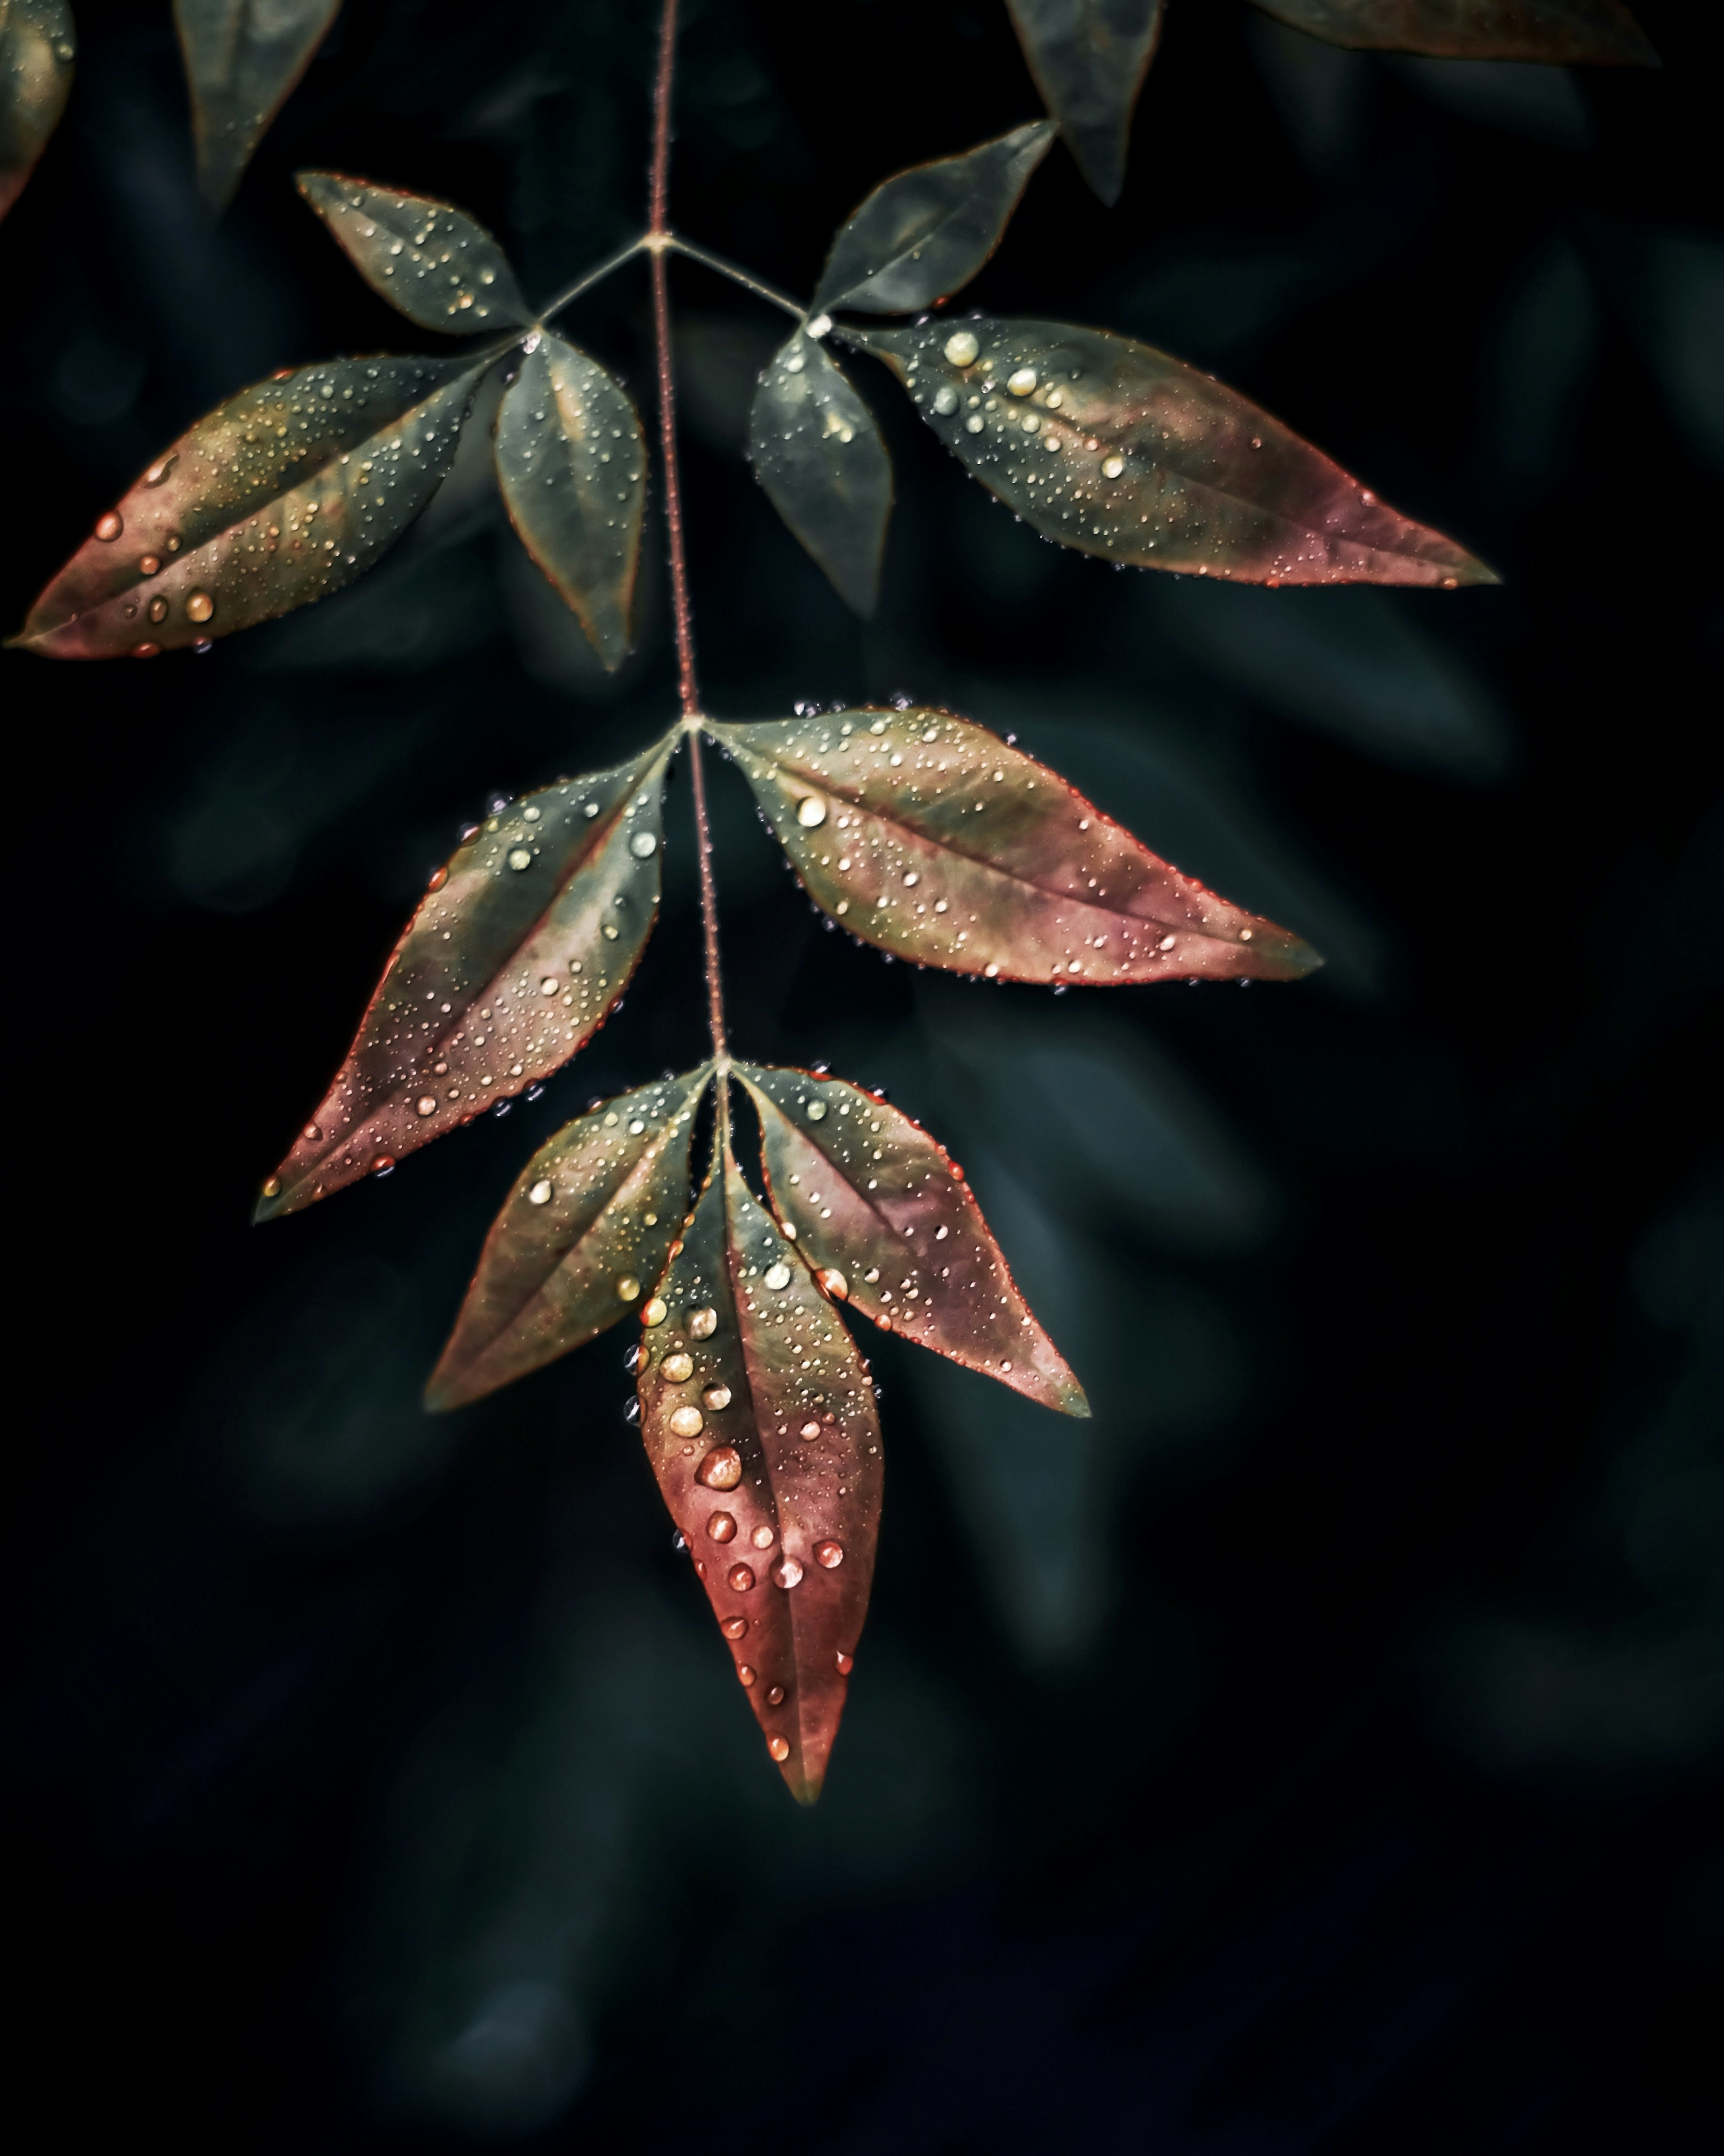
(242, 58)
(1089, 58)
(440, 267)
(1109, 446)
(760, 1423)
(923, 233)
(930, 837)
(588, 1224)
(38, 46)
(572, 464)
(1565, 32)
(883, 1214)
(818, 452)
(511, 965)
(283, 493)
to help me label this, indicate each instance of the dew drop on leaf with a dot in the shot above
(740, 1579)
(721, 1526)
(721, 1469)
(540, 1193)
(678, 1368)
(788, 1572)
(702, 1324)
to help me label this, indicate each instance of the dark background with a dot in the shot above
(1318, 1751)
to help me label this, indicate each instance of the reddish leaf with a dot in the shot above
(242, 58)
(883, 1213)
(928, 835)
(1567, 33)
(440, 267)
(38, 46)
(818, 452)
(1089, 58)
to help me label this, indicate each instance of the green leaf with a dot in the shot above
(1089, 58)
(819, 454)
(1109, 446)
(923, 233)
(38, 46)
(281, 496)
(1564, 32)
(243, 57)
(572, 463)
(440, 267)
(583, 1235)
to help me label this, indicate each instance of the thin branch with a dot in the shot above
(749, 283)
(709, 905)
(594, 276)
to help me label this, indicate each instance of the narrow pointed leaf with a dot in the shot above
(281, 496)
(511, 964)
(883, 1214)
(581, 1239)
(1562, 33)
(38, 46)
(572, 463)
(242, 58)
(818, 452)
(760, 1423)
(923, 233)
(928, 836)
(1089, 58)
(440, 267)
(1109, 446)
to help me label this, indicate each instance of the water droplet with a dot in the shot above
(811, 1429)
(740, 1579)
(722, 1527)
(777, 1276)
(745, 1675)
(687, 1422)
(811, 811)
(779, 1748)
(148, 564)
(654, 1312)
(678, 1368)
(702, 1324)
(832, 1283)
(199, 606)
(629, 1287)
(733, 1628)
(775, 1698)
(846, 1663)
(109, 524)
(520, 858)
(715, 1397)
(962, 349)
(974, 423)
(1111, 467)
(788, 1572)
(272, 1188)
(540, 1193)
(1020, 382)
(831, 1555)
(426, 1104)
(817, 1111)
(158, 609)
(721, 1469)
(643, 845)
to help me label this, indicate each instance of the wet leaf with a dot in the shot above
(582, 1237)
(511, 964)
(1109, 446)
(38, 46)
(572, 463)
(759, 1420)
(929, 836)
(1089, 58)
(883, 1214)
(283, 493)
(818, 452)
(440, 267)
(923, 233)
(1565, 32)
(243, 57)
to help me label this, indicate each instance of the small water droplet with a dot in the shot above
(540, 1193)
(629, 1287)
(199, 606)
(426, 1104)
(788, 1572)
(832, 1283)
(744, 1675)
(817, 1111)
(721, 1526)
(777, 1276)
(811, 811)
(846, 1663)
(962, 349)
(775, 1698)
(733, 1628)
(715, 1397)
(148, 564)
(779, 1748)
(830, 1555)
(109, 524)
(520, 858)
(702, 1324)
(272, 1188)
(740, 1579)
(643, 845)
(654, 1312)
(1020, 382)
(687, 1422)
(721, 1469)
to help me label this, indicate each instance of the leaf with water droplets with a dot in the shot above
(281, 496)
(818, 452)
(1562, 33)
(572, 464)
(923, 233)
(242, 58)
(1089, 58)
(759, 1420)
(1109, 446)
(440, 267)
(38, 46)
(581, 1239)
(511, 964)
(928, 835)
(883, 1213)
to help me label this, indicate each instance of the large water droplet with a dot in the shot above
(721, 1469)
(817, 1111)
(962, 349)
(740, 1579)
(540, 1193)
(686, 1422)
(702, 1324)
(109, 524)
(654, 1312)
(199, 606)
(714, 1398)
(788, 1572)
(733, 1628)
(643, 845)
(520, 858)
(811, 811)
(629, 1287)
(846, 1663)
(832, 1283)
(762, 1537)
(777, 1276)
(1020, 380)
(779, 1747)
(744, 1674)
(721, 1526)
(829, 1555)
(775, 1698)
(678, 1369)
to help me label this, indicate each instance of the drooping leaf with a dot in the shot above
(883, 1214)
(440, 267)
(572, 464)
(760, 1423)
(511, 964)
(929, 836)
(283, 493)
(1564, 32)
(922, 234)
(1109, 446)
(817, 452)
(584, 1234)
(38, 46)
(1089, 58)
(242, 58)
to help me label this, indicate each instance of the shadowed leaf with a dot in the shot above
(923, 233)
(572, 463)
(440, 267)
(586, 1231)
(286, 492)
(1109, 446)
(817, 452)
(928, 835)
(883, 1213)
(38, 46)
(243, 57)
(1089, 58)
(511, 964)
(1567, 32)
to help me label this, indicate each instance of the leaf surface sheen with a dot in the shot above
(38, 44)
(438, 266)
(1563, 33)
(1089, 58)
(872, 1197)
(242, 58)
(817, 451)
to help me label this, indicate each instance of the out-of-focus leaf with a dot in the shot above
(928, 835)
(284, 493)
(817, 452)
(1089, 58)
(760, 1423)
(587, 1229)
(440, 267)
(923, 233)
(572, 463)
(243, 57)
(883, 1213)
(1109, 446)
(525, 940)
(1566, 32)
(38, 46)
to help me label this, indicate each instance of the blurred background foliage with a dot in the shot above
(1319, 1750)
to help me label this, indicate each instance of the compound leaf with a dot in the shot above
(440, 267)
(819, 454)
(1089, 58)
(38, 46)
(243, 57)
(1565, 32)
